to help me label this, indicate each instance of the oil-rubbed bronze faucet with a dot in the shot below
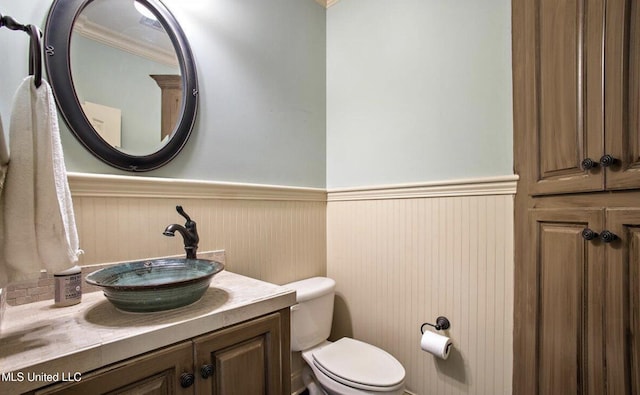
(188, 231)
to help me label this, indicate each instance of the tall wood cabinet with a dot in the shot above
(170, 101)
(576, 74)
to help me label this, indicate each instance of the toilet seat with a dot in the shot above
(360, 365)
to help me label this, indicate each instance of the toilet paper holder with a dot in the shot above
(441, 323)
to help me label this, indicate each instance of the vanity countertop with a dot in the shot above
(40, 339)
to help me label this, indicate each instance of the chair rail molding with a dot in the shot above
(497, 185)
(103, 185)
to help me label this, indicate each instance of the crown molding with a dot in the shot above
(101, 34)
(103, 185)
(500, 185)
(326, 3)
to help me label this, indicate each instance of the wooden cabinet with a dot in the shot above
(242, 360)
(154, 373)
(622, 320)
(251, 358)
(576, 73)
(566, 275)
(583, 319)
(171, 101)
(622, 92)
(564, 46)
(584, 58)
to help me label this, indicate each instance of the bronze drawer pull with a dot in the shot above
(186, 380)
(588, 163)
(206, 371)
(608, 160)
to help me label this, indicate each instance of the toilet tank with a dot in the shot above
(312, 315)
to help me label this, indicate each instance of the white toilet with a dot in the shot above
(347, 366)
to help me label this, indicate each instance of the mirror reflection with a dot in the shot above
(126, 75)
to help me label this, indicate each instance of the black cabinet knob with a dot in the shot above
(607, 236)
(588, 163)
(206, 371)
(187, 379)
(588, 234)
(608, 160)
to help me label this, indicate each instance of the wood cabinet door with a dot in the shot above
(563, 322)
(245, 359)
(171, 101)
(564, 41)
(622, 93)
(155, 373)
(623, 302)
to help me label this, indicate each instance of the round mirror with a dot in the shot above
(124, 79)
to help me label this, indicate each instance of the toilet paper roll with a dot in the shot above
(438, 345)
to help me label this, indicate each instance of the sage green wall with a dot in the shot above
(397, 91)
(418, 90)
(261, 67)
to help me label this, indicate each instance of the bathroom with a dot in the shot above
(370, 141)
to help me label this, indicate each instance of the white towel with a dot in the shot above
(4, 152)
(4, 158)
(39, 224)
(4, 166)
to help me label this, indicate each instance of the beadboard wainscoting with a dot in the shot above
(272, 233)
(408, 255)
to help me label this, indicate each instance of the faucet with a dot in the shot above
(188, 231)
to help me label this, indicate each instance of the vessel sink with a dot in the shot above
(155, 284)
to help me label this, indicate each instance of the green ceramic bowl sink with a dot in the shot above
(155, 284)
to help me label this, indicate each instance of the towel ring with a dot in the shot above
(35, 54)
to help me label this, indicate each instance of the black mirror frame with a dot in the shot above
(57, 39)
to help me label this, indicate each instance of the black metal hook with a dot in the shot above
(12, 24)
(441, 323)
(35, 45)
(35, 55)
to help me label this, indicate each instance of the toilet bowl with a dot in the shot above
(344, 367)
(349, 366)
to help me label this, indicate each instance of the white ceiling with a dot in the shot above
(120, 16)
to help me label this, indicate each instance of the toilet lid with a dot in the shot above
(358, 364)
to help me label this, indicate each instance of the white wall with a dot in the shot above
(261, 68)
(418, 90)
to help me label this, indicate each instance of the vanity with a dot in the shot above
(234, 340)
